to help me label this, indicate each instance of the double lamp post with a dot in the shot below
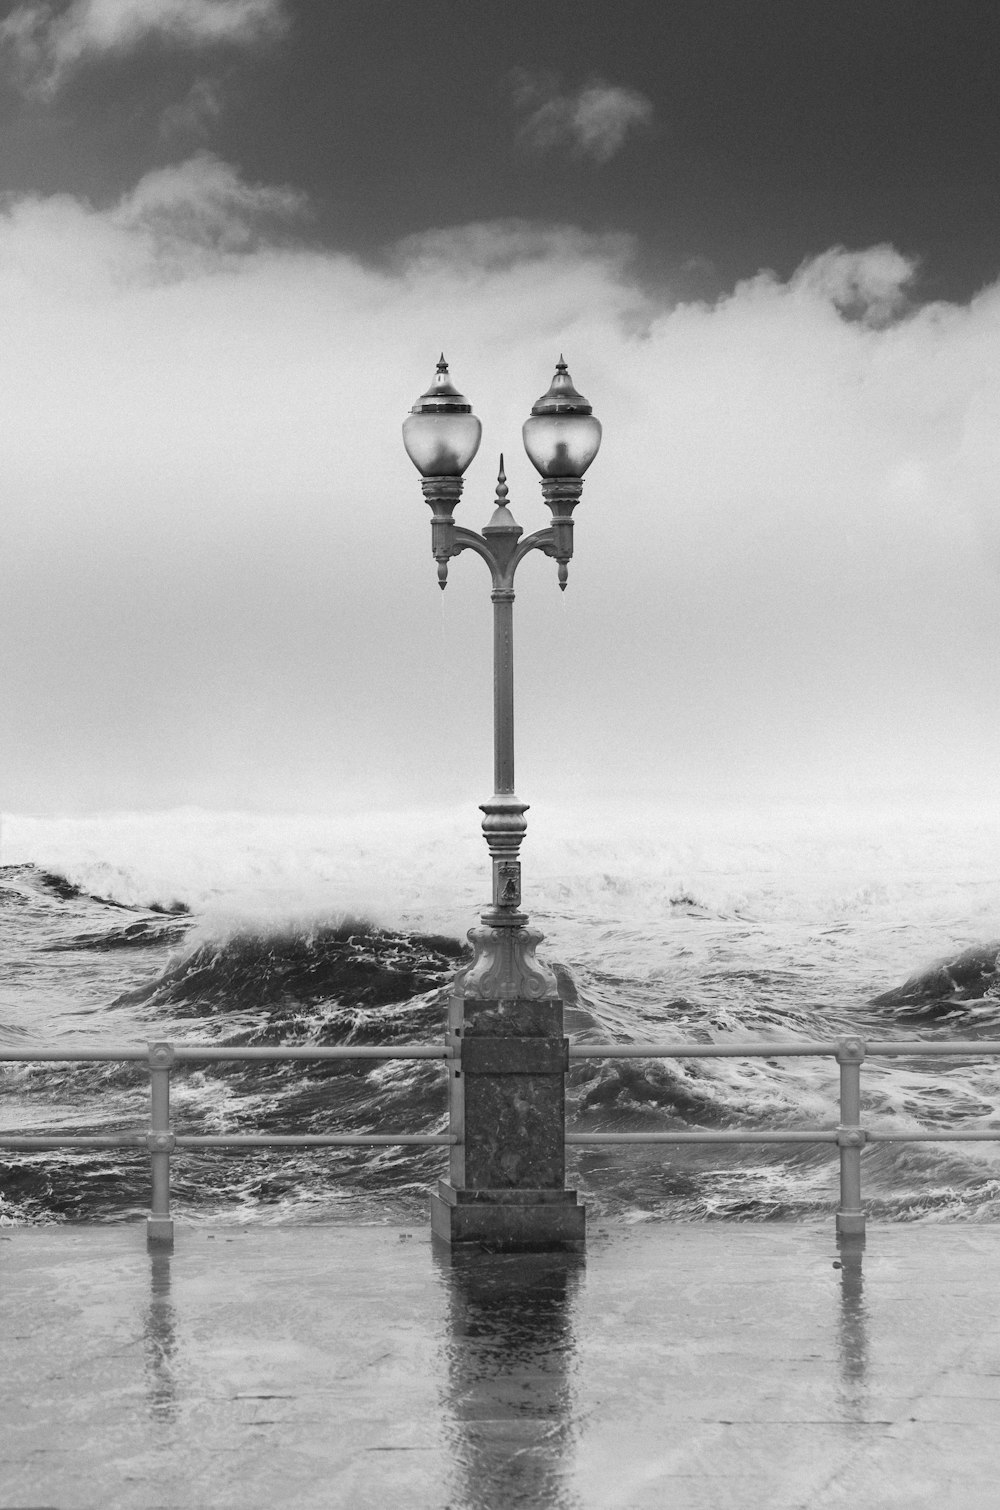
(506, 1180)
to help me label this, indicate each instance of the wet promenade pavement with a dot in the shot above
(709, 1367)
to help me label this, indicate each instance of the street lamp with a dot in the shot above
(504, 999)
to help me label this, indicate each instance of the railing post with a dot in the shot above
(851, 1138)
(160, 1142)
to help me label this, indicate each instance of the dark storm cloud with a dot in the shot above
(736, 136)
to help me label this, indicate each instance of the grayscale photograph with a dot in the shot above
(499, 754)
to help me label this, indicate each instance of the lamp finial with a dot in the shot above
(502, 488)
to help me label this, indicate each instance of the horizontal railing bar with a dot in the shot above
(194, 1053)
(697, 1050)
(955, 1135)
(820, 1135)
(110, 1053)
(316, 1140)
(919, 1046)
(121, 1140)
(431, 1140)
(788, 1048)
(238, 1140)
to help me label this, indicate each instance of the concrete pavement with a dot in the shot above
(696, 1367)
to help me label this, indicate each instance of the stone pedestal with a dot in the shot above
(506, 1184)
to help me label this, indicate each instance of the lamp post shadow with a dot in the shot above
(509, 1366)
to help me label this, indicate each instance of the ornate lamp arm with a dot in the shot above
(500, 545)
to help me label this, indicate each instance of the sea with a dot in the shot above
(717, 924)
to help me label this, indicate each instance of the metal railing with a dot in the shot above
(161, 1140)
(850, 1136)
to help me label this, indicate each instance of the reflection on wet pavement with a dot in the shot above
(508, 1373)
(675, 1367)
(853, 1332)
(160, 1339)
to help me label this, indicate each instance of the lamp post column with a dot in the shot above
(503, 690)
(503, 823)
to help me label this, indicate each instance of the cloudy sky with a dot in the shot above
(234, 237)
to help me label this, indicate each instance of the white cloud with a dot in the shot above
(195, 217)
(871, 284)
(41, 42)
(217, 580)
(183, 210)
(594, 120)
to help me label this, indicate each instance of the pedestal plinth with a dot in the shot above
(506, 1185)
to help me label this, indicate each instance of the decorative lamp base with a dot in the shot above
(507, 1091)
(503, 962)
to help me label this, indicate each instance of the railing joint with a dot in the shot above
(851, 1049)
